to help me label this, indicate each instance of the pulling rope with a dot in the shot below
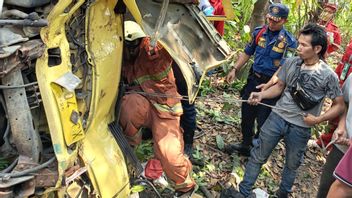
(219, 100)
(212, 99)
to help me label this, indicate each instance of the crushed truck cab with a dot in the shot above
(60, 69)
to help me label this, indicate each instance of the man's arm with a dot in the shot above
(273, 80)
(289, 52)
(341, 130)
(272, 92)
(337, 108)
(242, 59)
(339, 189)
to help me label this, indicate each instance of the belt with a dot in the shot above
(262, 77)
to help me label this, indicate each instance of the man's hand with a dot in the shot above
(231, 76)
(255, 98)
(311, 120)
(340, 136)
(264, 86)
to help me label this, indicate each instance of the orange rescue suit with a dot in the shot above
(152, 73)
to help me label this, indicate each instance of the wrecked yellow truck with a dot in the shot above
(60, 68)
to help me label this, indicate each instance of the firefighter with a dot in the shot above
(148, 70)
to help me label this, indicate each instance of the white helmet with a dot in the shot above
(133, 31)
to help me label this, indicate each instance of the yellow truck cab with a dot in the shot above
(60, 68)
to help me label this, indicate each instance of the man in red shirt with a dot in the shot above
(218, 10)
(333, 32)
(342, 70)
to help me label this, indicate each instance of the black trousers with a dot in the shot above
(188, 119)
(251, 113)
(327, 177)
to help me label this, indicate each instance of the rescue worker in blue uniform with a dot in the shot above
(270, 45)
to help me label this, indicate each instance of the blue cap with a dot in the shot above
(278, 11)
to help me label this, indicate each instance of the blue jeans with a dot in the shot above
(274, 129)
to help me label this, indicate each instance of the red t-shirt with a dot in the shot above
(334, 36)
(218, 10)
(345, 58)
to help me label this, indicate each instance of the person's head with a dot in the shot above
(312, 42)
(277, 16)
(327, 14)
(133, 37)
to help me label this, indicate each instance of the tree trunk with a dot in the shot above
(258, 14)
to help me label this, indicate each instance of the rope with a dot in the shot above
(212, 99)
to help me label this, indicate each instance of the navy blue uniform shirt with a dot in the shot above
(270, 50)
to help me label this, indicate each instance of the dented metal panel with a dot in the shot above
(188, 36)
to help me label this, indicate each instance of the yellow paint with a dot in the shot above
(98, 150)
(133, 8)
(95, 147)
(67, 104)
(229, 13)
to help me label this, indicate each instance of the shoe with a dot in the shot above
(188, 150)
(197, 162)
(233, 193)
(188, 194)
(281, 194)
(242, 149)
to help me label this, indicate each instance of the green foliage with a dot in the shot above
(236, 166)
(321, 128)
(144, 151)
(217, 115)
(343, 20)
(303, 13)
(200, 175)
(200, 178)
(243, 10)
(236, 35)
(300, 14)
(3, 163)
(197, 155)
(270, 183)
(220, 142)
(238, 84)
(137, 188)
(206, 87)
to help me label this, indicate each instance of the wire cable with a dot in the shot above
(27, 171)
(18, 86)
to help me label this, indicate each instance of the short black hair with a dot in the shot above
(319, 37)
